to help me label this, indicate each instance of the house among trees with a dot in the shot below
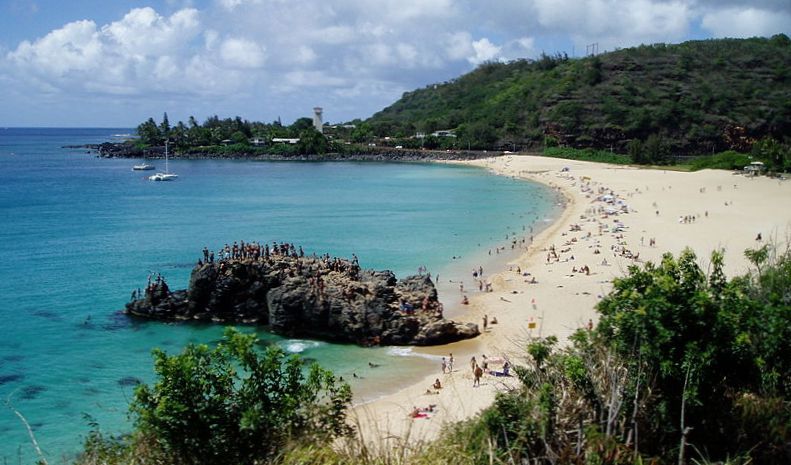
(285, 140)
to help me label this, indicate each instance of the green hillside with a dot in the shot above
(698, 97)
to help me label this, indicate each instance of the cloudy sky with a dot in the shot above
(115, 63)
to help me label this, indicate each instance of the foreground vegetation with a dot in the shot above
(228, 405)
(685, 366)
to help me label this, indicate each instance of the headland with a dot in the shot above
(325, 297)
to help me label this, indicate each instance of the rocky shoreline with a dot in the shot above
(126, 150)
(319, 297)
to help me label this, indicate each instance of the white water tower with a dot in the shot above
(317, 122)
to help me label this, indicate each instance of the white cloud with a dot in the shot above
(232, 4)
(334, 35)
(615, 23)
(458, 45)
(461, 46)
(304, 55)
(484, 51)
(527, 43)
(746, 22)
(242, 53)
(284, 51)
(143, 31)
(210, 39)
(316, 79)
(119, 58)
(74, 47)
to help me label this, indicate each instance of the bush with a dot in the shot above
(600, 156)
(232, 405)
(729, 160)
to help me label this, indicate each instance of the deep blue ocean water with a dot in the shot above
(79, 233)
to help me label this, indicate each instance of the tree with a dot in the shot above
(772, 152)
(635, 151)
(149, 132)
(301, 124)
(656, 151)
(312, 142)
(707, 343)
(362, 133)
(232, 404)
(593, 74)
(238, 137)
(164, 127)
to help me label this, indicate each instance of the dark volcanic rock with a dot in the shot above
(325, 298)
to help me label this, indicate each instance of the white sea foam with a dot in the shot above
(398, 351)
(296, 346)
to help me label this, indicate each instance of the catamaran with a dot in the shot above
(167, 175)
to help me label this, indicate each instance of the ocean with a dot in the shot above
(80, 233)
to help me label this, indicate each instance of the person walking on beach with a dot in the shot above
(444, 365)
(473, 364)
(478, 372)
(485, 322)
(450, 363)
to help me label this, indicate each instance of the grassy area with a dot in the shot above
(600, 156)
(728, 160)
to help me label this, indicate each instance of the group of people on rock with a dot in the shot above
(257, 252)
(157, 284)
(252, 250)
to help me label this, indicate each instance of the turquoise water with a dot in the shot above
(79, 233)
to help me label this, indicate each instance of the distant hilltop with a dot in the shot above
(689, 99)
(700, 97)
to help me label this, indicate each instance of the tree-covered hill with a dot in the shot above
(696, 97)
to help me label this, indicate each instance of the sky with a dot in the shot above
(99, 63)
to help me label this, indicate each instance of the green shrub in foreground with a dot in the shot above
(233, 404)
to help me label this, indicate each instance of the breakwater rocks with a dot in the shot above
(330, 299)
(127, 150)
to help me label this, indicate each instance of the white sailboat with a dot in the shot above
(143, 167)
(167, 175)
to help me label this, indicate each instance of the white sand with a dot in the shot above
(730, 210)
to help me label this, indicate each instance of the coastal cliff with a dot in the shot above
(322, 297)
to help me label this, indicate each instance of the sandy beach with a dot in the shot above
(614, 216)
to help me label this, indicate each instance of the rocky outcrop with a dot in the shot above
(330, 299)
